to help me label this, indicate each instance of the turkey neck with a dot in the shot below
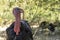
(17, 24)
(17, 20)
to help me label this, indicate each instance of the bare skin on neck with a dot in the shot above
(17, 24)
(17, 13)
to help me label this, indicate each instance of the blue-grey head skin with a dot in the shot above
(17, 11)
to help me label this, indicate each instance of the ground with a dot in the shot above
(46, 36)
(38, 35)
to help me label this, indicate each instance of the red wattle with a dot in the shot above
(17, 30)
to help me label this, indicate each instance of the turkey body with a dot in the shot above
(24, 34)
(51, 27)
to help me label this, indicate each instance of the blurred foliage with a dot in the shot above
(35, 10)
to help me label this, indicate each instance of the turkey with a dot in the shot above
(51, 27)
(19, 29)
(43, 26)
